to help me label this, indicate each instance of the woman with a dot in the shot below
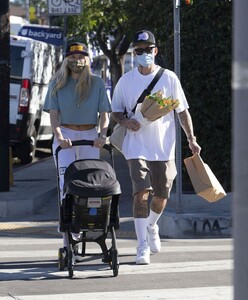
(76, 99)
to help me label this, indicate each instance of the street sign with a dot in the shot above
(47, 34)
(64, 7)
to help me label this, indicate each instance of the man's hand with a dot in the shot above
(195, 148)
(131, 124)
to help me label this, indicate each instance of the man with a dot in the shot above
(150, 150)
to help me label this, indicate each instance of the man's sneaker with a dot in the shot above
(154, 239)
(143, 255)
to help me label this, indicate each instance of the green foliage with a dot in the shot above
(206, 30)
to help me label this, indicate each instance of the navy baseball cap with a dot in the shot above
(144, 36)
(76, 48)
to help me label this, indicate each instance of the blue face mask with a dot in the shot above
(145, 59)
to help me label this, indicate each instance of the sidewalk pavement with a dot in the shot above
(35, 189)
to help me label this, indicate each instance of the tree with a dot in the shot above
(110, 25)
(206, 30)
(207, 57)
(206, 39)
(104, 21)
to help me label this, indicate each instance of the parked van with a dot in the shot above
(32, 64)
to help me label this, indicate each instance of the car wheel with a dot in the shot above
(27, 149)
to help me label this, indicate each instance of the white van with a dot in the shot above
(32, 64)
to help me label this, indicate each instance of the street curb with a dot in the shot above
(198, 218)
(172, 225)
(28, 205)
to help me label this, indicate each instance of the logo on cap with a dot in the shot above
(76, 48)
(143, 36)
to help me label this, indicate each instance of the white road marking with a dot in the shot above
(82, 270)
(199, 293)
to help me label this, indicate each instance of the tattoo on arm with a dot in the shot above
(118, 117)
(186, 123)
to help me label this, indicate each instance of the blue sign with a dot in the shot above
(50, 35)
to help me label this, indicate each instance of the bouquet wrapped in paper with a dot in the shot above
(156, 105)
(153, 107)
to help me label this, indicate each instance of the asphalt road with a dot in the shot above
(185, 269)
(199, 269)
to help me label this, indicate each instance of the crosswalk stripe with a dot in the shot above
(42, 264)
(121, 250)
(128, 269)
(199, 293)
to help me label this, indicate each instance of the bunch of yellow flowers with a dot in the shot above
(156, 105)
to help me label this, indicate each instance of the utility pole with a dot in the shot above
(4, 96)
(177, 64)
(240, 148)
(27, 10)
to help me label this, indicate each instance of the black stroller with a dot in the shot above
(90, 208)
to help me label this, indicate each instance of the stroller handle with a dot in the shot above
(84, 143)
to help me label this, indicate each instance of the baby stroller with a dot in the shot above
(89, 209)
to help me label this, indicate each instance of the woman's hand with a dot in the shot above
(99, 142)
(64, 143)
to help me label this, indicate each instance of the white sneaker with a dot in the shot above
(143, 255)
(154, 239)
(76, 254)
(76, 236)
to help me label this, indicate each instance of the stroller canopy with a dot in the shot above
(91, 178)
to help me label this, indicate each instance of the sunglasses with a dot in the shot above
(140, 51)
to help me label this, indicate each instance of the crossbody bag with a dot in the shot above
(119, 131)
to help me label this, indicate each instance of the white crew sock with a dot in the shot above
(153, 218)
(140, 229)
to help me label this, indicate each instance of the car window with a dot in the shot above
(16, 61)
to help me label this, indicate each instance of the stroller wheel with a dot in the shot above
(70, 264)
(70, 270)
(62, 258)
(115, 263)
(114, 254)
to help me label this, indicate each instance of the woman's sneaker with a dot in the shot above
(77, 256)
(76, 236)
(143, 255)
(153, 238)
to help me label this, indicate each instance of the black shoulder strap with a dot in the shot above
(147, 91)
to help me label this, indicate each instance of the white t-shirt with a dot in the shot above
(155, 141)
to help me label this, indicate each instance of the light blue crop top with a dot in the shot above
(87, 112)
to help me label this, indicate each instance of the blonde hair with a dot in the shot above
(84, 80)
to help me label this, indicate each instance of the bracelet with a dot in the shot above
(192, 138)
(103, 136)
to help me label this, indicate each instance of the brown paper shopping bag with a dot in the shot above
(118, 135)
(203, 180)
